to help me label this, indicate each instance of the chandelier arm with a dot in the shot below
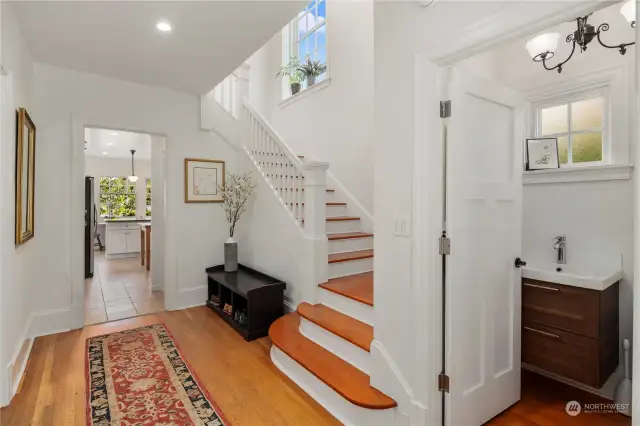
(622, 47)
(559, 66)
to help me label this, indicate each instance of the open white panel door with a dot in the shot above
(484, 223)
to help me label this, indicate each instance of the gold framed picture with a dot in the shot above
(201, 180)
(25, 175)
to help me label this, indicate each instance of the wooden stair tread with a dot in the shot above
(350, 329)
(342, 218)
(351, 255)
(348, 236)
(332, 203)
(357, 287)
(339, 375)
(327, 190)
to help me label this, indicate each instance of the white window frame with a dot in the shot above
(567, 99)
(290, 43)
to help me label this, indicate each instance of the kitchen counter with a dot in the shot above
(132, 220)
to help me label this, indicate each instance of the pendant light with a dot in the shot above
(133, 177)
(543, 47)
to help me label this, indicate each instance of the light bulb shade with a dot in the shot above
(133, 178)
(543, 43)
(628, 10)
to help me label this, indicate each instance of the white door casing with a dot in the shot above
(484, 220)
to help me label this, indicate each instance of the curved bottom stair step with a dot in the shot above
(351, 383)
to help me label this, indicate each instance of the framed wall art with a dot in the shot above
(25, 176)
(201, 180)
(542, 154)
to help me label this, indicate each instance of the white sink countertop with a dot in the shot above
(583, 277)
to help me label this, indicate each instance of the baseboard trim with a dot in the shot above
(50, 322)
(187, 298)
(19, 357)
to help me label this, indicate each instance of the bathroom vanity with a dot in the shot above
(570, 324)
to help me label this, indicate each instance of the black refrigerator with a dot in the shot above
(90, 225)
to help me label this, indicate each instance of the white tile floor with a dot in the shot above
(120, 288)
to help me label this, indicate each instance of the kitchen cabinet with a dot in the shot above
(123, 239)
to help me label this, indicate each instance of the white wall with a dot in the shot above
(158, 210)
(100, 166)
(16, 263)
(334, 124)
(67, 101)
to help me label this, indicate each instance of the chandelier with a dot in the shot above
(543, 47)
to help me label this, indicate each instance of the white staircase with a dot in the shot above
(325, 345)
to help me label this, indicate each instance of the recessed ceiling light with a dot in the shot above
(114, 133)
(163, 26)
(105, 153)
(109, 143)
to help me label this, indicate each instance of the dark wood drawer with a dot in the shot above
(563, 307)
(563, 353)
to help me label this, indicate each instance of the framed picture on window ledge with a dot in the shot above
(542, 154)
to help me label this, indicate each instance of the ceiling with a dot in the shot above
(119, 39)
(116, 144)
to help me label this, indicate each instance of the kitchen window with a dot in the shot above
(147, 191)
(117, 197)
(579, 122)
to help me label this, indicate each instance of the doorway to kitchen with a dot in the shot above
(124, 192)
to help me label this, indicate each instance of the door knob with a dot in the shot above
(519, 263)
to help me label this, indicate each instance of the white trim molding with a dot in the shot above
(187, 298)
(50, 322)
(305, 92)
(578, 174)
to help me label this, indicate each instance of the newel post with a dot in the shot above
(315, 225)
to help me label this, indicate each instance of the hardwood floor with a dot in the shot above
(239, 376)
(543, 404)
(241, 379)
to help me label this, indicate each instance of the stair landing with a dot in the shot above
(342, 377)
(356, 287)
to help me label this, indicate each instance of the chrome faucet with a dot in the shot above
(558, 245)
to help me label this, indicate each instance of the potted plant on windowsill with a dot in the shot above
(235, 193)
(292, 70)
(312, 69)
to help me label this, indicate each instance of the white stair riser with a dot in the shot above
(335, 211)
(330, 195)
(350, 267)
(346, 412)
(342, 226)
(331, 211)
(351, 244)
(360, 311)
(335, 344)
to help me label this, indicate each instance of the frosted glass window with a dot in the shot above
(578, 124)
(587, 114)
(554, 120)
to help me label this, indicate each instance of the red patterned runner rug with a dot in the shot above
(138, 377)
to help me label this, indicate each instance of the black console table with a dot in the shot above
(261, 296)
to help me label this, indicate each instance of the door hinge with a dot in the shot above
(443, 383)
(445, 245)
(445, 109)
